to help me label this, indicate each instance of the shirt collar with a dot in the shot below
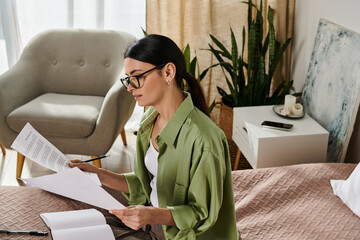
(173, 126)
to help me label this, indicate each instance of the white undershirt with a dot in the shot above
(151, 163)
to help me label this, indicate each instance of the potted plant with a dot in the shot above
(251, 87)
(249, 81)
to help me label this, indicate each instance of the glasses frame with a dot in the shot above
(126, 81)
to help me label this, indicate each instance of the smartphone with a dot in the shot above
(277, 125)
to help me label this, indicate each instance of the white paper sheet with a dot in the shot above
(73, 219)
(102, 232)
(73, 183)
(35, 147)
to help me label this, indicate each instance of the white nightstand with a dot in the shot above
(306, 142)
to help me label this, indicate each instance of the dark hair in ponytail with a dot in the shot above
(157, 49)
(196, 93)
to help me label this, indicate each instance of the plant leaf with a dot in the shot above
(232, 90)
(228, 67)
(253, 58)
(249, 14)
(243, 41)
(259, 21)
(226, 98)
(203, 74)
(262, 91)
(192, 66)
(187, 56)
(234, 53)
(278, 56)
(265, 46)
(278, 89)
(216, 53)
(144, 32)
(272, 41)
(225, 52)
(212, 105)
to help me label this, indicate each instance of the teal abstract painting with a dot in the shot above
(331, 93)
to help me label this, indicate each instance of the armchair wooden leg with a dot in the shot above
(2, 149)
(97, 163)
(237, 160)
(123, 137)
(20, 164)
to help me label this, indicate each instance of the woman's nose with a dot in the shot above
(130, 88)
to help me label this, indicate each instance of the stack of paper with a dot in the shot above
(69, 182)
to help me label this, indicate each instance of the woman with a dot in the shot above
(182, 174)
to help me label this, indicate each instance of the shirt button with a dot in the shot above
(54, 62)
(81, 63)
(107, 64)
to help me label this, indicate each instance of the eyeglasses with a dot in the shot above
(135, 80)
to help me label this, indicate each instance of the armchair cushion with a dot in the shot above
(59, 115)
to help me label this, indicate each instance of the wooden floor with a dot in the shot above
(120, 160)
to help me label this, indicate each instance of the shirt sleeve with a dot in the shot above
(136, 195)
(204, 196)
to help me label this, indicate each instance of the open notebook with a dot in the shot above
(88, 224)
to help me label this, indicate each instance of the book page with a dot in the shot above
(35, 147)
(102, 232)
(73, 219)
(74, 184)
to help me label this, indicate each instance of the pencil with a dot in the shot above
(93, 159)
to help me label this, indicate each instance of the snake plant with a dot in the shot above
(249, 81)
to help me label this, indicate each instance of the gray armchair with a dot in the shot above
(66, 85)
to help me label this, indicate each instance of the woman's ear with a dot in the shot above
(170, 72)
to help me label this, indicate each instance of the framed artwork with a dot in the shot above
(331, 93)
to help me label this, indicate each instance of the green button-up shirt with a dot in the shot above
(194, 175)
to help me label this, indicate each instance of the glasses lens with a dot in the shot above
(134, 82)
(130, 81)
(124, 82)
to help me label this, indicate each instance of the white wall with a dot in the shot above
(307, 14)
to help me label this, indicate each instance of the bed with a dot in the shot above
(292, 202)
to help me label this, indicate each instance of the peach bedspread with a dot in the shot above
(292, 202)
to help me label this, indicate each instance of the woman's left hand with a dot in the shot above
(135, 217)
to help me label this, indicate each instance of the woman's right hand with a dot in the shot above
(86, 167)
(113, 180)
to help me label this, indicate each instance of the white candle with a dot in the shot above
(290, 101)
(297, 109)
